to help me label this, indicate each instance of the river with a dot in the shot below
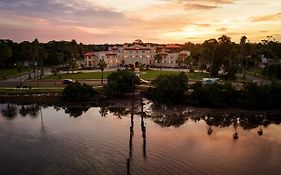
(137, 139)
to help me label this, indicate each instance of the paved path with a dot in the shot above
(257, 79)
(15, 81)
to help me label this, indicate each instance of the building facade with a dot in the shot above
(137, 53)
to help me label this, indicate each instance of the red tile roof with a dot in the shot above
(137, 48)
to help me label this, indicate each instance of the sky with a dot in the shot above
(120, 21)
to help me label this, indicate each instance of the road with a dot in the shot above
(15, 81)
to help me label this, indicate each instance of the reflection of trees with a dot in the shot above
(244, 120)
(32, 110)
(143, 130)
(118, 111)
(103, 111)
(10, 111)
(76, 111)
(170, 120)
(235, 126)
(260, 131)
(131, 139)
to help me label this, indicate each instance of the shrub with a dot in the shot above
(274, 71)
(121, 81)
(191, 70)
(76, 92)
(170, 88)
(263, 97)
(251, 96)
(214, 95)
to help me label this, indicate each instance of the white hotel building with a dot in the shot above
(136, 53)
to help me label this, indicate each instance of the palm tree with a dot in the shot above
(102, 65)
(187, 62)
(158, 58)
(19, 66)
(179, 61)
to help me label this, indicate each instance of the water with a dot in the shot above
(112, 140)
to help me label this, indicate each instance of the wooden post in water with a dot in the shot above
(128, 167)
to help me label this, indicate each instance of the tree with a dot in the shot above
(5, 54)
(121, 81)
(75, 92)
(34, 54)
(170, 88)
(43, 55)
(209, 53)
(102, 65)
(158, 58)
(73, 64)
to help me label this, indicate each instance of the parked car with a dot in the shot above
(68, 81)
(210, 80)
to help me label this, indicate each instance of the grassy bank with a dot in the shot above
(30, 91)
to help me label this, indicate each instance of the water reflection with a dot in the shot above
(76, 110)
(131, 135)
(31, 110)
(153, 141)
(10, 111)
(160, 115)
(103, 111)
(143, 129)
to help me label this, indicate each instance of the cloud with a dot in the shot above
(204, 5)
(66, 12)
(222, 29)
(200, 6)
(272, 17)
(209, 1)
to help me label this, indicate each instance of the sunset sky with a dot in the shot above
(119, 21)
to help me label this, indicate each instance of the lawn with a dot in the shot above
(79, 76)
(147, 75)
(256, 70)
(151, 74)
(11, 73)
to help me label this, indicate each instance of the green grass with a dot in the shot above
(256, 70)
(79, 76)
(147, 75)
(11, 73)
(151, 74)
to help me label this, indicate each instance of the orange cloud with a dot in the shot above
(272, 17)
(199, 6)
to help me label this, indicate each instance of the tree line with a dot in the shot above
(218, 56)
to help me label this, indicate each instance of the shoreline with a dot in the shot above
(50, 99)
